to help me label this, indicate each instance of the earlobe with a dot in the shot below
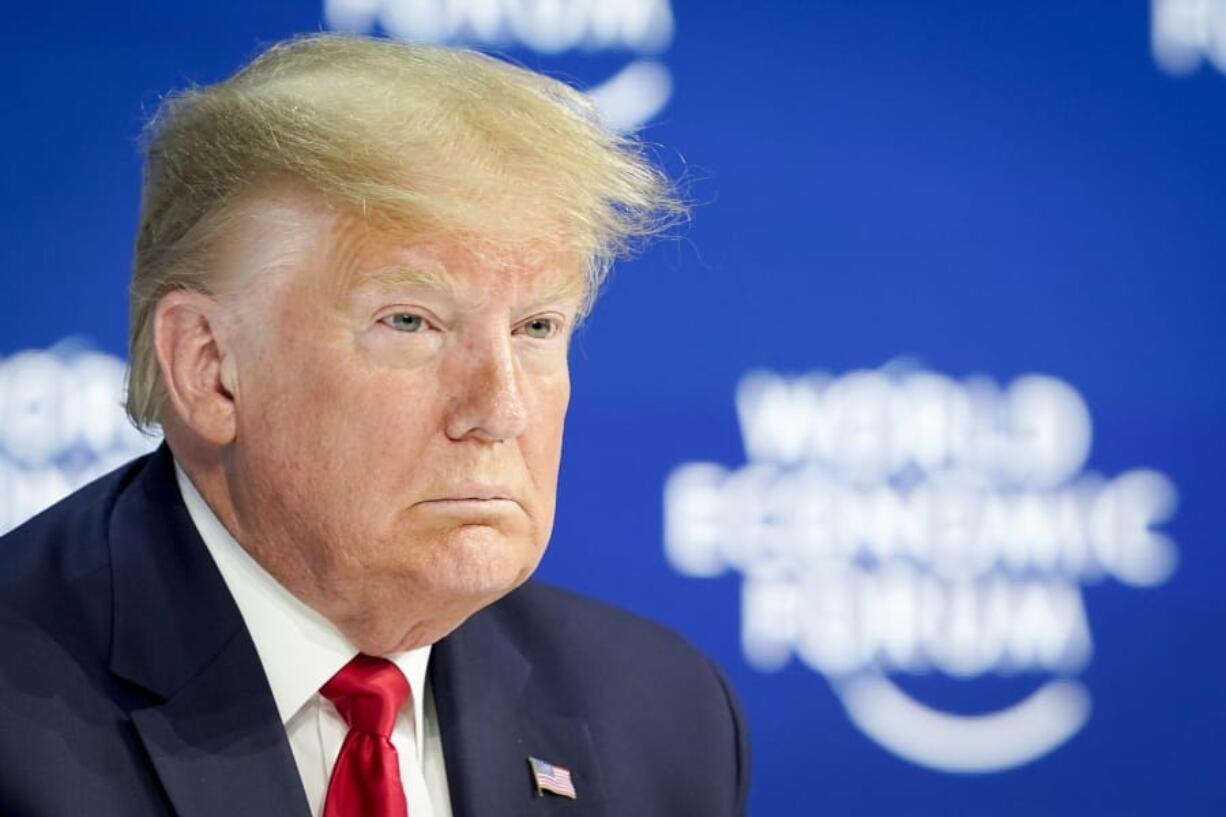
(199, 376)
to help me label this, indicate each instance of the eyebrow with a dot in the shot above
(562, 287)
(408, 276)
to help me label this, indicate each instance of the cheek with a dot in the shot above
(542, 443)
(318, 410)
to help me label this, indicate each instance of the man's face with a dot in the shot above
(399, 417)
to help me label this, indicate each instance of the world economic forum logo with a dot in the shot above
(627, 100)
(1186, 33)
(62, 424)
(898, 521)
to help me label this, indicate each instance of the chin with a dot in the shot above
(476, 585)
(481, 561)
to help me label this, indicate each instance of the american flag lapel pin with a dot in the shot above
(551, 778)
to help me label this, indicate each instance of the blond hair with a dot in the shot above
(421, 139)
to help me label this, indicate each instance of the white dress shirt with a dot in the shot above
(300, 651)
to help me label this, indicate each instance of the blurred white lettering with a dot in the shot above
(548, 26)
(1185, 32)
(898, 520)
(62, 424)
(626, 101)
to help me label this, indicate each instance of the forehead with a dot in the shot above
(294, 235)
(362, 257)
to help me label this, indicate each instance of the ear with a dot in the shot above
(198, 368)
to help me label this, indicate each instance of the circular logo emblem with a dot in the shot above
(898, 522)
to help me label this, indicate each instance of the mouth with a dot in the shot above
(481, 498)
(473, 493)
(469, 500)
(467, 510)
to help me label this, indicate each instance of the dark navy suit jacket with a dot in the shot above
(130, 686)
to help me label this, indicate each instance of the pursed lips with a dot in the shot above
(475, 494)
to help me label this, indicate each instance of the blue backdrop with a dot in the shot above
(967, 192)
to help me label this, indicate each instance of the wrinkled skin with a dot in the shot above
(378, 421)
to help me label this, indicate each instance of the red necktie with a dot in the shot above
(368, 692)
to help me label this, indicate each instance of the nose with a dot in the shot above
(487, 399)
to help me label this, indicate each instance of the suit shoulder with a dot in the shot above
(46, 559)
(566, 608)
(642, 689)
(578, 629)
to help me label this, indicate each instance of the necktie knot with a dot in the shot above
(368, 693)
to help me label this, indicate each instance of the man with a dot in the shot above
(358, 267)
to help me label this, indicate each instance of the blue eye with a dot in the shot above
(540, 327)
(405, 322)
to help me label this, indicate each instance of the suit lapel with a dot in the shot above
(214, 738)
(218, 745)
(493, 716)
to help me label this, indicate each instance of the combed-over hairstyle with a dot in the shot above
(420, 139)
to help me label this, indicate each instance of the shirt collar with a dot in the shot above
(299, 648)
